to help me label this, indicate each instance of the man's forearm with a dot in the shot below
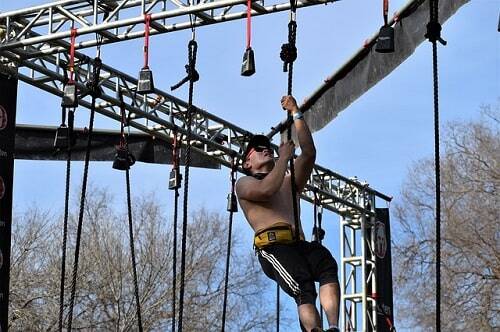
(273, 181)
(306, 142)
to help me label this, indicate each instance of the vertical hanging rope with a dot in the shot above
(94, 92)
(66, 214)
(132, 251)
(317, 236)
(232, 208)
(277, 308)
(175, 158)
(124, 144)
(434, 35)
(192, 49)
(289, 55)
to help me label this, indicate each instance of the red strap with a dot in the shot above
(386, 10)
(72, 55)
(147, 20)
(175, 162)
(249, 22)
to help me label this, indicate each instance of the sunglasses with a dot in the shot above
(258, 149)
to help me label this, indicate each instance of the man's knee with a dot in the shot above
(307, 294)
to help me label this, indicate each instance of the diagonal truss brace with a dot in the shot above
(47, 27)
(161, 115)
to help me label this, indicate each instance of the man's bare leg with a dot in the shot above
(309, 316)
(329, 296)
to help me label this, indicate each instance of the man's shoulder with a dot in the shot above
(244, 178)
(243, 181)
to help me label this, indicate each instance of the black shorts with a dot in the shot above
(297, 266)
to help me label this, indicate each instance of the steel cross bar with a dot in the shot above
(161, 114)
(44, 26)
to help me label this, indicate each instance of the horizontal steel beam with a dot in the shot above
(161, 115)
(46, 26)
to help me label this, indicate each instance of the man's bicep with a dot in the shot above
(248, 188)
(244, 188)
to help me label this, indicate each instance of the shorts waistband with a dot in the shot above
(278, 233)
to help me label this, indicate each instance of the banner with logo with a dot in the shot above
(383, 263)
(8, 96)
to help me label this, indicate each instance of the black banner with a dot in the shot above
(383, 272)
(8, 96)
(383, 263)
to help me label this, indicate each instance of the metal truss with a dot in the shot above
(48, 27)
(33, 45)
(161, 115)
(357, 273)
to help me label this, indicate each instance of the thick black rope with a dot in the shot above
(174, 251)
(434, 35)
(192, 48)
(289, 55)
(94, 88)
(124, 144)
(71, 118)
(132, 250)
(277, 307)
(318, 237)
(232, 208)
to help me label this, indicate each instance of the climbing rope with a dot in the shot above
(129, 161)
(174, 184)
(94, 92)
(71, 118)
(318, 232)
(289, 55)
(192, 49)
(277, 308)
(434, 35)
(232, 207)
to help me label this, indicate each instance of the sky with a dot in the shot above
(377, 138)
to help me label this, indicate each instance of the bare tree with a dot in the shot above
(105, 293)
(470, 287)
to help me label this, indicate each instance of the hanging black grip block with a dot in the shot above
(61, 140)
(145, 84)
(248, 65)
(385, 41)
(175, 179)
(69, 98)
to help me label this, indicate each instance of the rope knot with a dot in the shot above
(93, 83)
(434, 33)
(288, 54)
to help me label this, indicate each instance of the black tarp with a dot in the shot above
(367, 67)
(37, 143)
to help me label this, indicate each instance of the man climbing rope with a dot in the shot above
(266, 199)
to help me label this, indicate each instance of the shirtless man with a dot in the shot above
(266, 199)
